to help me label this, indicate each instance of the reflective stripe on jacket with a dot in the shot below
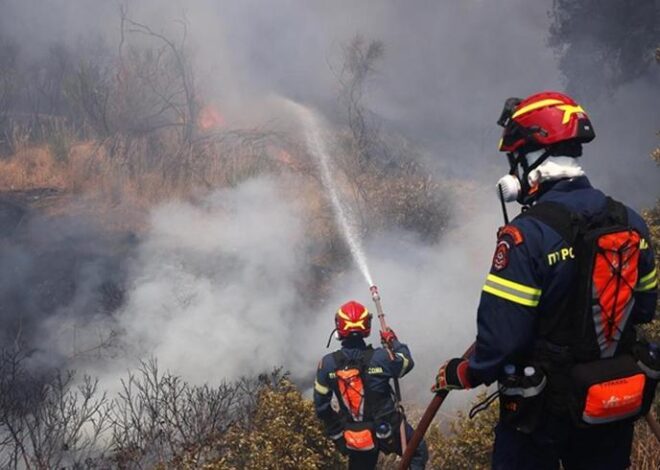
(533, 270)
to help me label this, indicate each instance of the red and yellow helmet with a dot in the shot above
(353, 318)
(542, 120)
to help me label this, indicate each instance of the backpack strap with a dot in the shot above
(341, 360)
(557, 216)
(372, 401)
(569, 224)
(617, 212)
(558, 328)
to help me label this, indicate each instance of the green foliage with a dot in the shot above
(469, 443)
(284, 434)
(652, 218)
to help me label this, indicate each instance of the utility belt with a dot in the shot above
(364, 436)
(591, 393)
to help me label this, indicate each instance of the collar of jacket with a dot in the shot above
(564, 186)
(353, 343)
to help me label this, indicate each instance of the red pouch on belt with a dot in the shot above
(608, 390)
(359, 439)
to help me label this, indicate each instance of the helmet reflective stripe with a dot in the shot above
(343, 315)
(547, 120)
(356, 324)
(569, 110)
(353, 318)
(537, 105)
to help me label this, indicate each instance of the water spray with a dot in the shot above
(318, 149)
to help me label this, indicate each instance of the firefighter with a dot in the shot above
(555, 322)
(368, 419)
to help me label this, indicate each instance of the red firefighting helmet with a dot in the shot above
(353, 318)
(542, 120)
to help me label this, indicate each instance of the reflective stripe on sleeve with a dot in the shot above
(512, 291)
(648, 282)
(406, 363)
(323, 390)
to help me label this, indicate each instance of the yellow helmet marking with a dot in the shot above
(569, 110)
(341, 313)
(536, 105)
(355, 324)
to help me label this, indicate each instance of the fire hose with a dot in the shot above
(375, 296)
(436, 403)
(426, 420)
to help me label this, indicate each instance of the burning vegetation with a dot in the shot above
(92, 138)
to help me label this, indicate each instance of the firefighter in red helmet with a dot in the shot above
(367, 420)
(571, 278)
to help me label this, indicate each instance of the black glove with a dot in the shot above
(453, 375)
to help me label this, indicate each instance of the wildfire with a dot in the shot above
(210, 118)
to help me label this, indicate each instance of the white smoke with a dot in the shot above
(213, 289)
(213, 292)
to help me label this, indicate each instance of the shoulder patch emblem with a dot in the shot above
(513, 232)
(501, 257)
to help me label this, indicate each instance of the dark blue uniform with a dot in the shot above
(379, 371)
(533, 270)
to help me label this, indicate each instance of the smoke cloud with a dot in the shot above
(213, 290)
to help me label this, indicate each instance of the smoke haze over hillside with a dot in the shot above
(449, 66)
(213, 291)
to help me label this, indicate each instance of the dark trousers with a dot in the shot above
(368, 460)
(603, 447)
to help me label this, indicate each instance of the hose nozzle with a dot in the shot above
(374, 293)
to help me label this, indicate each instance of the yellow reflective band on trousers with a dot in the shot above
(647, 282)
(512, 291)
(320, 388)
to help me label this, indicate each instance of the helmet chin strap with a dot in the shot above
(524, 197)
(332, 333)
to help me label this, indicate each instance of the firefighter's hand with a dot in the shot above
(388, 336)
(453, 375)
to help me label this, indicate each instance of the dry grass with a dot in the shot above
(120, 175)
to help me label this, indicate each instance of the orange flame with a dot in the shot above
(210, 118)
